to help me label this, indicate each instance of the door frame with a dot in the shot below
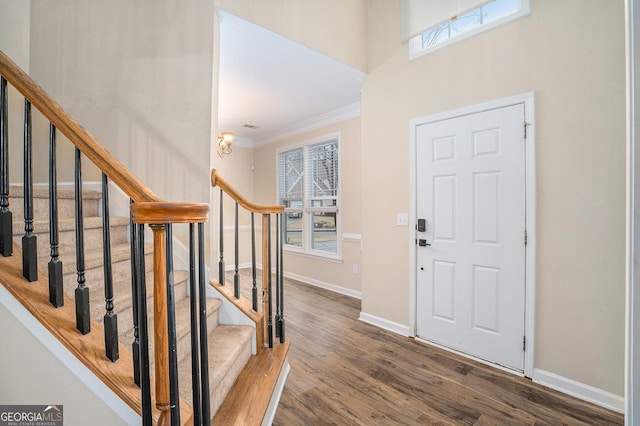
(530, 210)
(632, 354)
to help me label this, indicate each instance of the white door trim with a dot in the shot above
(632, 362)
(530, 210)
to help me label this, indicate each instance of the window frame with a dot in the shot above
(307, 211)
(415, 43)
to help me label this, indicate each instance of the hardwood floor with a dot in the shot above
(346, 372)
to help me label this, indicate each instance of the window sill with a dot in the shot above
(333, 258)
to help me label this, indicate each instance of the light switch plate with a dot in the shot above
(403, 219)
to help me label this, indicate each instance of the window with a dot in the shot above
(485, 17)
(309, 188)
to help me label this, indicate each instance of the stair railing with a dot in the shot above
(272, 265)
(146, 208)
(161, 216)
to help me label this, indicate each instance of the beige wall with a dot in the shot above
(14, 42)
(138, 76)
(336, 28)
(14, 31)
(237, 170)
(32, 375)
(322, 271)
(571, 54)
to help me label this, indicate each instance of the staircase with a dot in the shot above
(229, 345)
(91, 309)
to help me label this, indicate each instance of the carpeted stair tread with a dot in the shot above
(66, 203)
(94, 269)
(229, 350)
(94, 257)
(183, 325)
(43, 192)
(122, 300)
(69, 224)
(67, 233)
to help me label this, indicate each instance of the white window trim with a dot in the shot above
(306, 250)
(415, 43)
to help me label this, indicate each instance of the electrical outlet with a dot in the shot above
(402, 219)
(355, 268)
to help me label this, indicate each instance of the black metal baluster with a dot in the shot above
(174, 396)
(221, 261)
(281, 249)
(268, 271)
(204, 345)
(110, 317)
(6, 227)
(254, 286)
(56, 295)
(145, 383)
(236, 276)
(83, 318)
(135, 284)
(277, 275)
(29, 243)
(193, 296)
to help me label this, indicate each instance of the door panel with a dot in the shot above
(444, 200)
(471, 191)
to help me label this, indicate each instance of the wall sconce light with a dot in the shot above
(224, 143)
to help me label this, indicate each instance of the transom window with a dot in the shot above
(309, 188)
(485, 17)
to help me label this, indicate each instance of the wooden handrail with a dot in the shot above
(263, 328)
(162, 213)
(235, 195)
(77, 134)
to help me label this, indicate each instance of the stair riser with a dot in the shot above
(94, 275)
(67, 239)
(184, 344)
(219, 393)
(66, 208)
(124, 311)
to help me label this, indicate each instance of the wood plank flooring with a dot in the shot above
(346, 372)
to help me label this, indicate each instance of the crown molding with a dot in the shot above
(317, 122)
(241, 142)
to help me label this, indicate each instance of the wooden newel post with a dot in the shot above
(161, 348)
(158, 215)
(265, 276)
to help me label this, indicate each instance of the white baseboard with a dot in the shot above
(311, 281)
(331, 287)
(579, 390)
(277, 393)
(93, 185)
(232, 267)
(391, 326)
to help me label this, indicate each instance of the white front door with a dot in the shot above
(470, 173)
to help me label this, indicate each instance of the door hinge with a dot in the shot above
(525, 237)
(524, 125)
(524, 343)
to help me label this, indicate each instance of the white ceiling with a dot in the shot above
(274, 83)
